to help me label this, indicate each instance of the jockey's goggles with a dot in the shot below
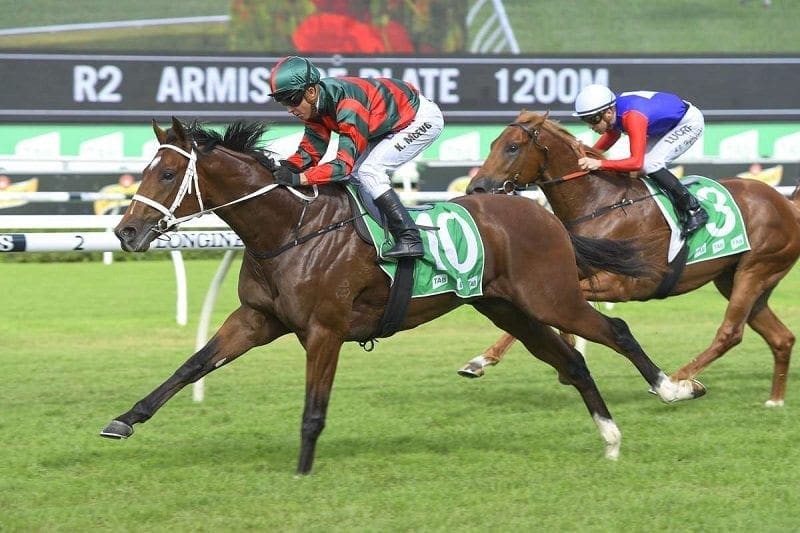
(290, 98)
(593, 120)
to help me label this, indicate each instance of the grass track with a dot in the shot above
(408, 445)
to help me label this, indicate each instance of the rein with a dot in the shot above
(625, 202)
(305, 238)
(191, 179)
(510, 186)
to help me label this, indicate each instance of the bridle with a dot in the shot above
(511, 186)
(191, 181)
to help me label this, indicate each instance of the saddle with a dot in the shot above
(372, 210)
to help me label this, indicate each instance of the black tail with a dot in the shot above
(620, 257)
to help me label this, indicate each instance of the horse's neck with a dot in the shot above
(259, 221)
(562, 159)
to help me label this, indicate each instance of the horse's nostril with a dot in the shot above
(126, 233)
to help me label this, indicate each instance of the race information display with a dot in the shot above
(477, 89)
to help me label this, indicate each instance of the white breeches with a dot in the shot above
(371, 169)
(661, 151)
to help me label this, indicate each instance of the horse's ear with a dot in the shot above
(180, 132)
(161, 135)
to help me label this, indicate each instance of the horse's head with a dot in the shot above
(170, 190)
(528, 151)
(165, 182)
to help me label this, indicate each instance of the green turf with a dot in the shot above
(409, 445)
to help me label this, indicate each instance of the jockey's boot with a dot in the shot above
(405, 232)
(691, 214)
(696, 216)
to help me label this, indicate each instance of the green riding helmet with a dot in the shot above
(293, 74)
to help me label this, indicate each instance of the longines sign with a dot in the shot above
(475, 89)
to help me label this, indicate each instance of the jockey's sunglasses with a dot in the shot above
(291, 98)
(593, 120)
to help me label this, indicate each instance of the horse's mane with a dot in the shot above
(244, 137)
(555, 128)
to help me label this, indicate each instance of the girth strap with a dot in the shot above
(399, 297)
(676, 267)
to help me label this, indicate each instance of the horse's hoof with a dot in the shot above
(671, 391)
(475, 367)
(698, 389)
(471, 371)
(117, 430)
(773, 403)
(612, 452)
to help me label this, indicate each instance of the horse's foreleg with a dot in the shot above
(730, 333)
(743, 290)
(322, 356)
(242, 330)
(476, 367)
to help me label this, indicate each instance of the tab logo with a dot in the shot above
(439, 280)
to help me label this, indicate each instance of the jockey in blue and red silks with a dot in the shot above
(660, 126)
(382, 123)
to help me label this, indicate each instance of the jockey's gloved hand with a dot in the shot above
(291, 166)
(284, 176)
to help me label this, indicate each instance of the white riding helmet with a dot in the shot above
(593, 99)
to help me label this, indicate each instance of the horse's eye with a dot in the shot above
(168, 175)
(513, 148)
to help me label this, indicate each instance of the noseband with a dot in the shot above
(190, 179)
(511, 186)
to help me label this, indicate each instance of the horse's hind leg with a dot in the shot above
(781, 342)
(579, 317)
(545, 344)
(243, 329)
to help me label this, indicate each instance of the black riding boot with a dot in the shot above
(690, 213)
(406, 234)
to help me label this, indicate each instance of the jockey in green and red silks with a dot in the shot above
(382, 123)
(360, 111)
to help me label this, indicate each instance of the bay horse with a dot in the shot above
(306, 271)
(537, 150)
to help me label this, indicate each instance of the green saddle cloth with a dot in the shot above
(724, 234)
(454, 255)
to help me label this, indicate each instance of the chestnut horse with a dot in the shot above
(307, 272)
(537, 150)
